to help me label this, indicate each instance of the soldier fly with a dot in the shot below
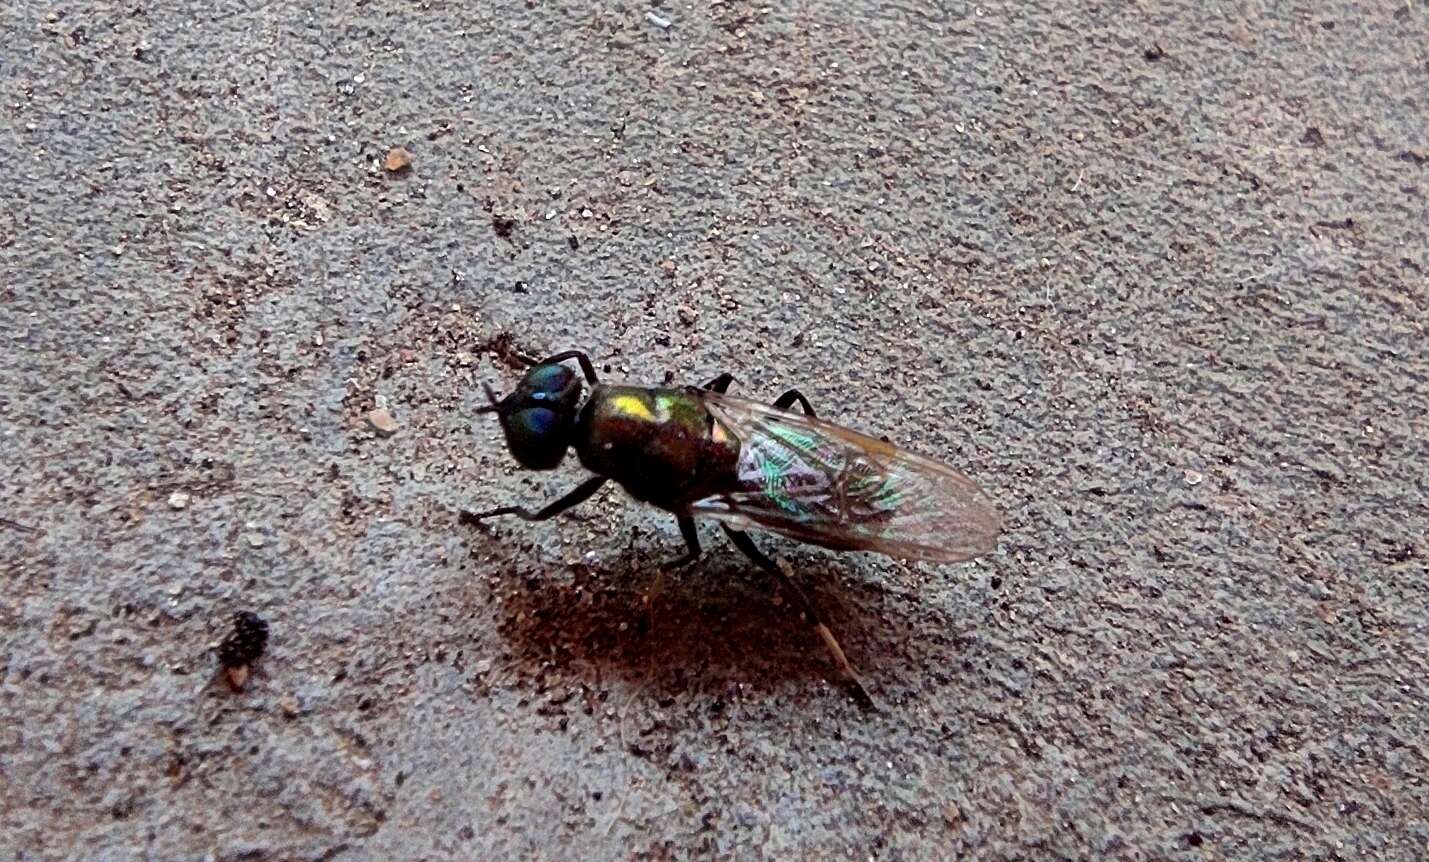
(698, 452)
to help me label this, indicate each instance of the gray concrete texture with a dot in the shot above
(1155, 275)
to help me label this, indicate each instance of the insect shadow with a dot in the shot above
(714, 623)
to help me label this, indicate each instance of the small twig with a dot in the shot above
(860, 693)
(19, 526)
(1242, 809)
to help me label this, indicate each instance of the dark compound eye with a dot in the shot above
(532, 423)
(537, 437)
(540, 415)
(548, 379)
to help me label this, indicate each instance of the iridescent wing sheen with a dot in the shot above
(826, 485)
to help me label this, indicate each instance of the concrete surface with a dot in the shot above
(1155, 275)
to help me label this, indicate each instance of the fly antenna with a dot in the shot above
(495, 404)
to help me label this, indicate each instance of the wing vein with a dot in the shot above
(824, 484)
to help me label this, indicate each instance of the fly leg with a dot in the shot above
(720, 384)
(781, 571)
(579, 356)
(692, 543)
(582, 492)
(785, 401)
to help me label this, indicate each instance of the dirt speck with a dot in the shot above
(397, 160)
(382, 421)
(242, 646)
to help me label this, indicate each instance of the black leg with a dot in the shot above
(720, 384)
(692, 542)
(574, 498)
(745, 544)
(784, 401)
(579, 356)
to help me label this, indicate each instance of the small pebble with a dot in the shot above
(289, 706)
(398, 159)
(687, 315)
(1192, 477)
(178, 500)
(382, 422)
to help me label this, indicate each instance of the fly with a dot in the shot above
(698, 452)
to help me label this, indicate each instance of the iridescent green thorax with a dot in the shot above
(661, 444)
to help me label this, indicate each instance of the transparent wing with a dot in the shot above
(826, 485)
